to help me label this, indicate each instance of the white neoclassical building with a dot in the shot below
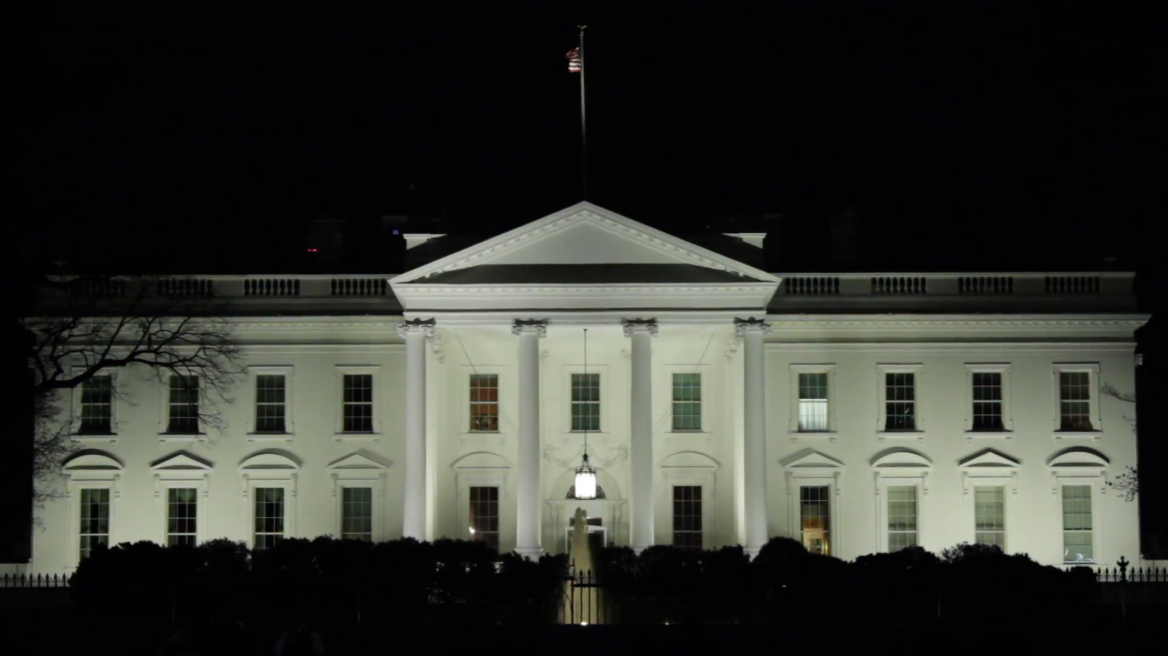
(721, 404)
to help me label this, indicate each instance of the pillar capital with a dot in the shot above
(744, 326)
(537, 326)
(632, 326)
(416, 326)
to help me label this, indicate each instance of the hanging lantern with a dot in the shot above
(585, 481)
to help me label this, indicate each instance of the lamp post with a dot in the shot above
(585, 474)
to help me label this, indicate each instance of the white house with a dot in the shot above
(721, 404)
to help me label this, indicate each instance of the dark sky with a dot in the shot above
(1003, 123)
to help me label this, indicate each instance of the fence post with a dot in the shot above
(1123, 588)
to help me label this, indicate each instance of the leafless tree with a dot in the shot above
(82, 326)
(1127, 483)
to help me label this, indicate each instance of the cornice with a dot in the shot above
(579, 290)
(778, 323)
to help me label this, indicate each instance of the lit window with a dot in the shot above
(687, 402)
(987, 401)
(270, 404)
(183, 415)
(815, 517)
(900, 401)
(902, 517)
(687, 516)
(812, 402)
(1078, 543)
(1075, 400)
(97, 406)
(182, 516)
(989, 511)
(269, 516)
(586, 402)
(94, 519)
(357, 513)
(358, 403)
(484, 515)
(484, 402)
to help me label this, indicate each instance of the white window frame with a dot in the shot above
(1081, 467)
(815, 470)
(606, 397)
(164, 424)
(485, 470)
(286, 371)
(1007, 430)
(356, 470)
(505, 396)
(902, 468)
(665, 397)
(92, 470)
(266, 469)
(75, 414)
(340, 371)
(182, 471)
(989, 469)
(687, 468)
(832, 432)
(918, 371)
(1092, 369)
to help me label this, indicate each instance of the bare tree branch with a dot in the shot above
(1127, 483)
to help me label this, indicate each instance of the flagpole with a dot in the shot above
(583, 124)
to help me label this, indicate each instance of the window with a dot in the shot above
(183, 417)
(269, 516)
(97, 406)
(814, 514)
(900, 401)
(902, 517)
(270, 404)
(484, 515)
(989, 516)
(484, 403)
(1075, 401)
(687, 402)
(585, 402)
(687, 516)
(95, 507)
(358, 403)
(182, 516)
(357, 513)
(1078, 543)
(813, 402)
(987, 401)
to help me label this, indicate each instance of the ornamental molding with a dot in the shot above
(632, 326)
(416, 326)
(533, 289)
(896, 322)
(538, 327)
(751, 325)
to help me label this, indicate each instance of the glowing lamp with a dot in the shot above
(585, 480)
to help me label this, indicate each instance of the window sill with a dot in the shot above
(270, 437)
(171, 438)
(830, 436)
(479, 437)
(96, 438)
(372, 438)
(983, 434)
(900, 435)
(1094, 436)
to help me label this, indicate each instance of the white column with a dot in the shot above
(753, 332)
(415, 332)
(527, 538)
(641, 433)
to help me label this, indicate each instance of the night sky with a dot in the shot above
(1001, 129)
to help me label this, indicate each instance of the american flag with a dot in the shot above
(575, 63)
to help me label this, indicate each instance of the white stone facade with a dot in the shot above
(747, 334)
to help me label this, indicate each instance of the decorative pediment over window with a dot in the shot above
(597, 258)
(482, 461)
(270, 461)
(181, 461)
(95, 461)
(988, 459)
(1079, 458)
(359, 461)
(989, 467)
(809, 463)
(894, 459)
(689, 461)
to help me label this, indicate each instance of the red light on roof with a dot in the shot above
(312, 250)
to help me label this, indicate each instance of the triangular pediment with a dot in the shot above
(181, 461)
(358, 461)
(811, 460)
(591, 240)
(988, 458)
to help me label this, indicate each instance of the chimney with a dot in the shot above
(844, 237)
(326, 239)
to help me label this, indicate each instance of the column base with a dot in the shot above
(530, 553)
(640, 549)
(752, 552)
